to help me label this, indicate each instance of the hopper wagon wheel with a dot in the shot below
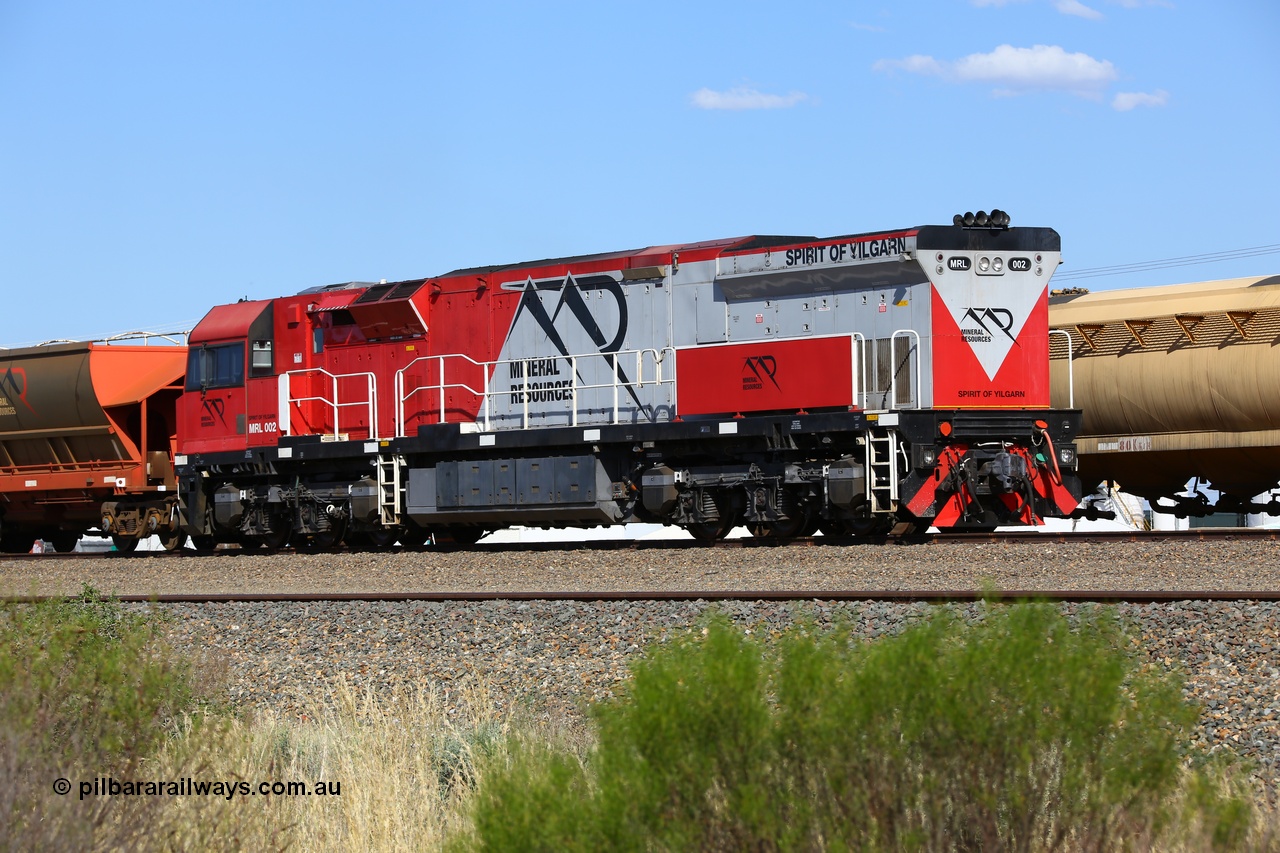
(124, 544)
(17, 543)
(64, 541)
(173, 540)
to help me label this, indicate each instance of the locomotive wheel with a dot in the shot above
(812, 522)
(64, 541)
(124, 544)
(325, 540)
(382, 538)
(460, 535)
(784, 528)
(974, 528)
(869, 526)
(709, 532)
(205, 544)
(273, 541)
(414, 536)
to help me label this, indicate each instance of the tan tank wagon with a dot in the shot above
(87, 434)
(1176, 382)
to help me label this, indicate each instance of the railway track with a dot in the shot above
(707, 595)
(1204, 534)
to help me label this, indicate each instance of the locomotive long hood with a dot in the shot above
(782, 266)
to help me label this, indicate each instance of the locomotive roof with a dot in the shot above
(736, 244)
(698, 251)
(599, 256)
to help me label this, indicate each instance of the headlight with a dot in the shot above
(925, 457)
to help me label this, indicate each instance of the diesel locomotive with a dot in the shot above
(857, 384)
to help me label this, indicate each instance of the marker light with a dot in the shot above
(997, 264)
(984, 264)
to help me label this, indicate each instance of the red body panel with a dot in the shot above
(1022, 381)
(765, 376)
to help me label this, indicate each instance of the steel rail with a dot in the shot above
(1104, 596)
(1201, 534)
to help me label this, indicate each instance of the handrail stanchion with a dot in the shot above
(613, 375)
(1071, 379)
(573, 390)
(524, 400)
(284, 416)
(858, 346)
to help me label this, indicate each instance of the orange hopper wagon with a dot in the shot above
(87, 433)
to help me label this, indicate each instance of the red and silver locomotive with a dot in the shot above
(850, 384)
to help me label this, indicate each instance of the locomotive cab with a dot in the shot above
(229, 399)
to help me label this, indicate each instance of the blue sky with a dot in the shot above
(160, 158)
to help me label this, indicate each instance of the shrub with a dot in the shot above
(86, 690)
(1015, 732)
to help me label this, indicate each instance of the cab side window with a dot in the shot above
(218, 366)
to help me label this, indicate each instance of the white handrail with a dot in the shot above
(656, 357)
(1071, 379)
(858, 345)
(893, 374)
(285, 399)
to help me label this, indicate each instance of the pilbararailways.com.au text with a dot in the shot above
(105, 786)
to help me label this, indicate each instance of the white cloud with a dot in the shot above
(1014, 70)
(1125, 101)
(742, 98)
(1076, 8)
